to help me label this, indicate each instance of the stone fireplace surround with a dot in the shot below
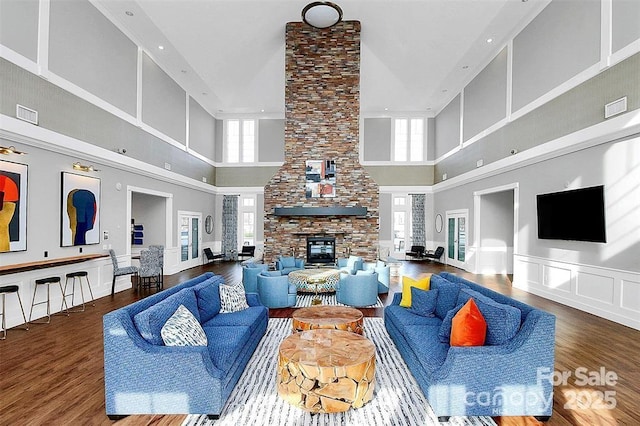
(322, 100)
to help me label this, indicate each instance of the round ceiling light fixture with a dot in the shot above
(322, 14)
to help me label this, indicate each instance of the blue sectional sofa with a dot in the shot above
(286, 264)
(505, 377)
(143, 376)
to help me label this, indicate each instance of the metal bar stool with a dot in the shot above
(73, 276)
(48, 281)
(3, 292)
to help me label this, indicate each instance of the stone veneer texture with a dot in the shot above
(322, 97)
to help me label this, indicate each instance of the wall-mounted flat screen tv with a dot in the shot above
(576, 215)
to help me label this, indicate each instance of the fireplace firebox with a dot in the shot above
(321, 250)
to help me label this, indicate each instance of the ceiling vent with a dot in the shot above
(616, 107)
(27, 114)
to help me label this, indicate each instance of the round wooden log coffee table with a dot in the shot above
(331, 317)
(326, 371)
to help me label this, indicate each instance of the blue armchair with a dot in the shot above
(358, 290)
(384, 275)
(351, 265)
(249, 276)
(286, 264)
(275, 291)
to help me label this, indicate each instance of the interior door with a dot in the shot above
(190, 237)
(457, 238)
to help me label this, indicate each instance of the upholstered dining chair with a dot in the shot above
(150, 270)
(119, 271)
(159, 253)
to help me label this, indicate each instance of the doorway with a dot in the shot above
(495, 226)
(189, 238)
(457, 221)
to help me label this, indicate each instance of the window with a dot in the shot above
(247, 219)
(408, 139)
(401, 223)
(241, 141)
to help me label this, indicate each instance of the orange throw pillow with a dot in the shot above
(468, 327)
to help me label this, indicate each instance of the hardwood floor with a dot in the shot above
(53, 374)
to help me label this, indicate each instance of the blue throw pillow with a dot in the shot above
(444, 334)
(150, 321)
(423, 302)
(208, 301)
(503, 321)
(447, 295)
(287, 262)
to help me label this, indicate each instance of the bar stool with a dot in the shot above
(3, 292)
(73, 276)
(48, 281)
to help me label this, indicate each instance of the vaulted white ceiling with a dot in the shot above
(229, 54)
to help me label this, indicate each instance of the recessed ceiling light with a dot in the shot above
(161, 47)
(386, 109)
(128, 13)
(261, 110)
(489, 40)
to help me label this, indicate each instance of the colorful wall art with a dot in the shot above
(13, 207)
(320, 178)
(80, 210)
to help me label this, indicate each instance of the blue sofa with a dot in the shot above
(142, 376)
(501, 378)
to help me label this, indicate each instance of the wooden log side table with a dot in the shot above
(326, 371)
(328, 317)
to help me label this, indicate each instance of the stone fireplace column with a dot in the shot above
(322, 98)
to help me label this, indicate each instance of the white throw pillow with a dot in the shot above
(183, 329)
(232, 298)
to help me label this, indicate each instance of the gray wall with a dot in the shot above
(271, 140)
(614, 165)
(202, 130)
(577, 109)
(163, 101)
(377, 139)
(447, 128)
(401, 175)
(44, 205)
(386, 219)
(19, 26)
(626, 23)
(86, 49)
(485, 97)
(563, 40)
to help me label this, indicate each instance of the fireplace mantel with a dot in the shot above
(320, 211)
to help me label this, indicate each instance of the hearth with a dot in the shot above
(321, 250)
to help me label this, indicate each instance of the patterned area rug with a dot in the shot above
(397, 399)
(305, 300)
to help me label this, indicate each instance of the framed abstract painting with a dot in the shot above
(13, 206)
(320, 178)
(79, 210)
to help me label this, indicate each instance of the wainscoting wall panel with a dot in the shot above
(608, 293)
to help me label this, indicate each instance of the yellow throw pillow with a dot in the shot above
(408, 282)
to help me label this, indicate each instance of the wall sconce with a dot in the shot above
(6, 150)
(83, 168)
